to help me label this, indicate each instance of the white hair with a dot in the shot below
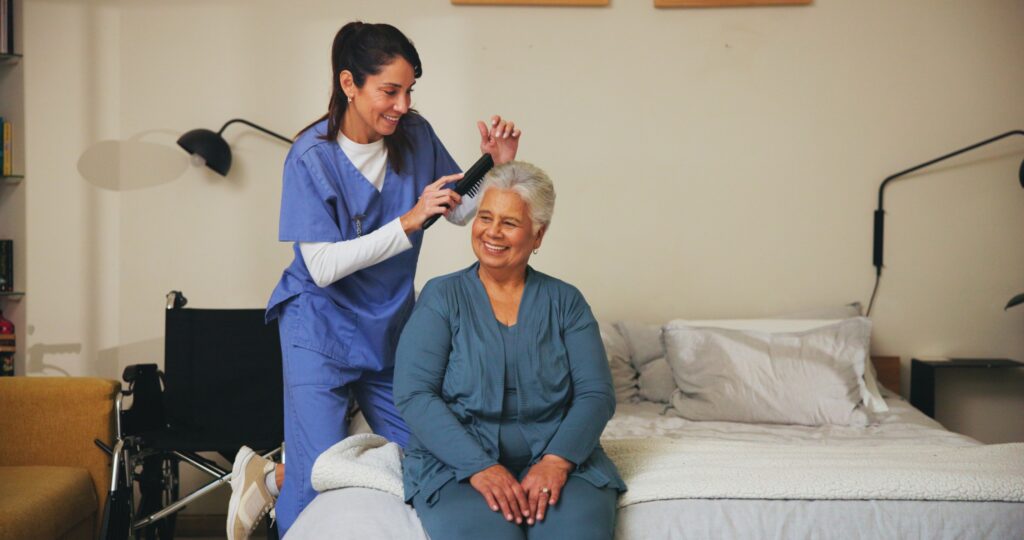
(530, 183)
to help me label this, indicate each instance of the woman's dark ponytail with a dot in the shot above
(364, 49)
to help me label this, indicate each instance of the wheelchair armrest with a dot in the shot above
(132, 372)
(145, 385)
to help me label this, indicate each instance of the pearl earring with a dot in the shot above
(536, 251)
(350, 99)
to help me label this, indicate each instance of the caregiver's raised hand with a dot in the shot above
(500, 139)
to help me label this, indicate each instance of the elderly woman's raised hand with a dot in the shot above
(543, 484)
(500, 140)
(502, 492)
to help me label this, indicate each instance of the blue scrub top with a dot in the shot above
(357, 319)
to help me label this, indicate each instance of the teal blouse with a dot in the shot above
(450, 371)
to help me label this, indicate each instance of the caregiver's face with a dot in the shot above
(379, 105)
(503, 235)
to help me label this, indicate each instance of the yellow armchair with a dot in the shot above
(53, 479)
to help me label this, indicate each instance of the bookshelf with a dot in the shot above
(12, 186)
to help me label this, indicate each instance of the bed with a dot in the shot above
(903, 427)
(900, 476)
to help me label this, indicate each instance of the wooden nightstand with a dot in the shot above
(922, 376)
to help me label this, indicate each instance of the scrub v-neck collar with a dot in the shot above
(388, 172)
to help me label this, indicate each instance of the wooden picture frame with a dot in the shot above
(578, 3)
(727, 3)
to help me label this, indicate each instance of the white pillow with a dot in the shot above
(854, 309)
(656, 382)
(647, 358)
(643, 341)
(624, 377)
(770, 371)
(644, 345)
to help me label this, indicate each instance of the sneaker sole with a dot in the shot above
(236, 491)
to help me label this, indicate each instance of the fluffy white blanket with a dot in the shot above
(365, 460)
(659, 469)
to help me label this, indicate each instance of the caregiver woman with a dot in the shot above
(358, 185)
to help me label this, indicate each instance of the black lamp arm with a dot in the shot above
(880, 212)
(254, 126)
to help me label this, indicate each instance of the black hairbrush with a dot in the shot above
(469, 184)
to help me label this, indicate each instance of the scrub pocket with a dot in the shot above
(322, 326)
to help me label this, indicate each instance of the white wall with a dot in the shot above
(71, 101)
(709, 163)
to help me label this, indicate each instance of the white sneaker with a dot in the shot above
(250, 498)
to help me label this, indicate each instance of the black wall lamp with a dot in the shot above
(880, 212)
(209, 148)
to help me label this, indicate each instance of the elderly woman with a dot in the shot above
(502, 378)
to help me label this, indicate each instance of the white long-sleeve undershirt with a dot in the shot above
(328, 262)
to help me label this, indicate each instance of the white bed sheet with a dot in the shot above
(902, 425)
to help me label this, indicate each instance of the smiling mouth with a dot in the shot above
(491, 248)
(392, 119)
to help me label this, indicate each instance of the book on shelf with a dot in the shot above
(8, 346)
(6, 265)
(8, 166)
(3, 27)
(7, 26)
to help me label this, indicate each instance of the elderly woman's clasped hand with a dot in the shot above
(502, 492)
(541, 487)
(543, 484)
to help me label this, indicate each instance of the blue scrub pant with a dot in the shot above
(317, 390)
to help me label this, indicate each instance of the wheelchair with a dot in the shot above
(221, 388)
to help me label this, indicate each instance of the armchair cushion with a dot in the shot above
(46, 502)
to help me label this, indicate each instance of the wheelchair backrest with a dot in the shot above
(222, 369)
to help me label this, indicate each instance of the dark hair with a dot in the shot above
(364, 49)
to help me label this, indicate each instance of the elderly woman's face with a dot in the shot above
(503, 234)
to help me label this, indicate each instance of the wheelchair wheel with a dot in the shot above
(158, 487)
